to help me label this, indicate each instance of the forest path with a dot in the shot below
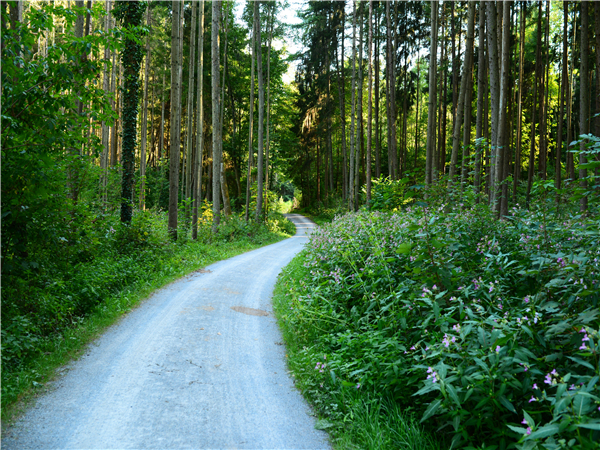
(200, 364)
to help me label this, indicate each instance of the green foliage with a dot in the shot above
(475, 324)
(43, 133)
(352, 415)
(390, 195)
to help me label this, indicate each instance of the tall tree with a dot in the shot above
(175, 118)
(251, 118)
(104, 159)
(370, 113)
(584, 101)
(353, 113)
(481, 80)
(222, 174)
(261, 114)
(216, 113)
(190, 113)
(342, 97)
(431, 113)
(537, 76)
(199, 125)
(495, 94)
(130, 13)
(463, 90)
(503, 129)
(390, 97)
(517, 171)
(145, 119)
(561, 106)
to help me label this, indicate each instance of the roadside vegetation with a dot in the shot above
(432, 313)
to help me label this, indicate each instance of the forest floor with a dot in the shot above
(199, 364)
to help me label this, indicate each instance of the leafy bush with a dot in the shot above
(390, 195)
(488, 329)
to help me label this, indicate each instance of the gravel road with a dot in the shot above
(200, 364)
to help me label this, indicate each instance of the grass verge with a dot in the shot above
(354, 418)
(22, 386)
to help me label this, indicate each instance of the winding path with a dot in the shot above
(200, 364)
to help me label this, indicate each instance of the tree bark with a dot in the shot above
(584, 102)
(175, 126)
(503, 129)
(216, 136)
(561, 106)
(199, 126)
(431, 113)
(251, 119)
(377, 93)
(359, 111)
(223, 175)
(391, 100)
(190, 113)
(495, 95)
(145, 120)
(463, 90)
(104, 159)
(342, 100)
(517, 172)
(132, 58)
(261, 114)
(268, 111)
(353, 113)
(370, 113)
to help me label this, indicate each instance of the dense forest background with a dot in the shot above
(512, 88)
(130, 129)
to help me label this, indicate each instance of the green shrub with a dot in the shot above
(488, 329)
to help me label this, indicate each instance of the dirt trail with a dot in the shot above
(200, 364)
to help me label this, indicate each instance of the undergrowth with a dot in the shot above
(487, 331)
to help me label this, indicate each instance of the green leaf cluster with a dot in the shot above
(476, 324)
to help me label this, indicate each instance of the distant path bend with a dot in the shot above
(200, 364)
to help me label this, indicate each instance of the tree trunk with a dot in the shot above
(132, 58)
(216, 112)
(417, 128)
(145, 120)
(431, 113)
(391, 98)
(190, 114)
(223, 175)
(251, 118)
(268, 111)
(517, 172)
(570, 161)
(162, 117)
(538, 68)
(105, 127)
(597, 113)
(342, 100)
(199, 126)
(584, 102)
(561, 106)
(503, 129)
(353, 113)
(370, 113)
(359, 111)
(175, 127)
(463, 90)
(464, 167)
(494, 68)
(261, 114)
